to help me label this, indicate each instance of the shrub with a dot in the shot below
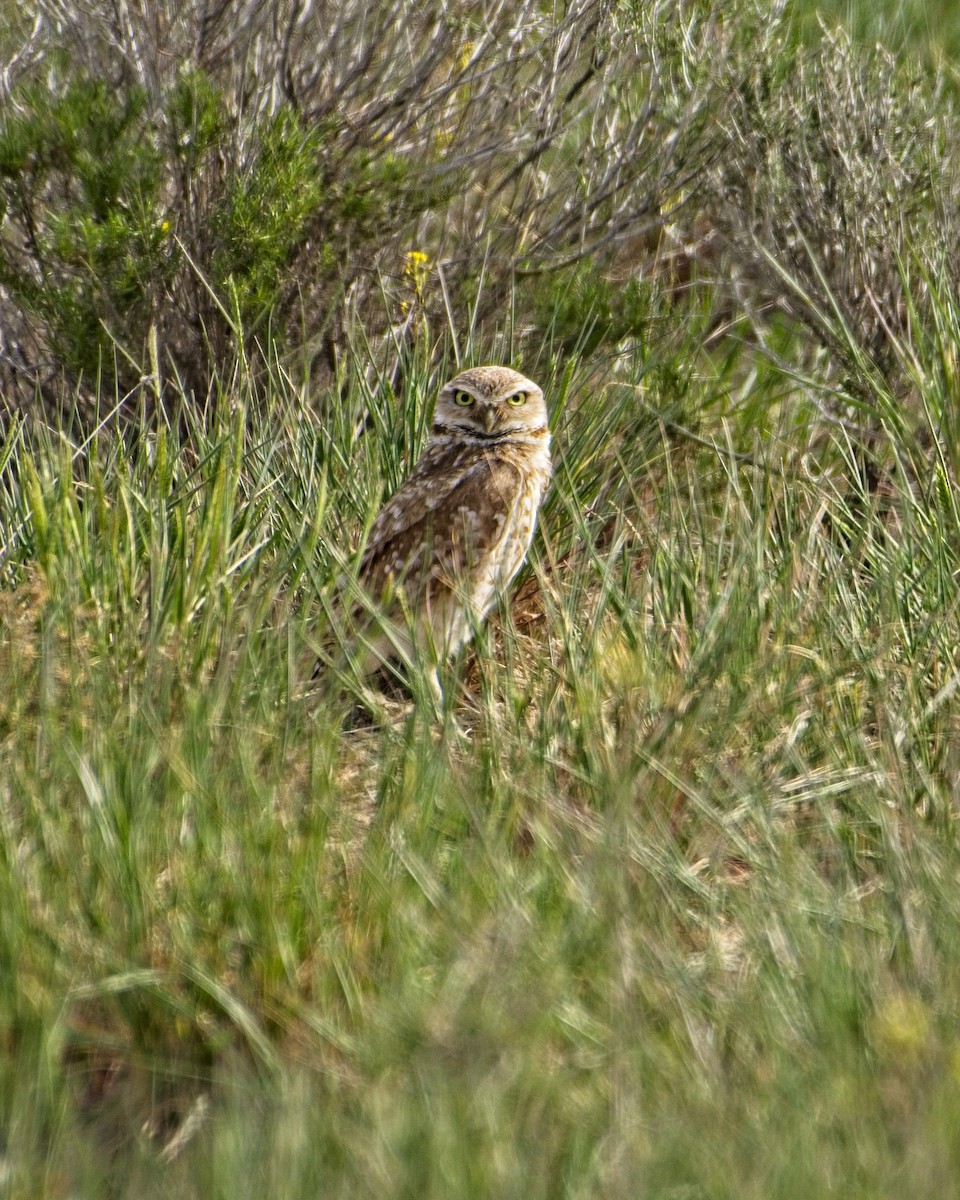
(187, 178)
(193, 186)
(837, 178)
(81, 185)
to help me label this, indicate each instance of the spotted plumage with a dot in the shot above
(449, 542)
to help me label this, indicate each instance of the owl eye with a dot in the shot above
(517, 399)
(462, 399)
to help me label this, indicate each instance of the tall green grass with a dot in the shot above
(677, 917)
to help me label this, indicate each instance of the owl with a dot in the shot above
(444, 548)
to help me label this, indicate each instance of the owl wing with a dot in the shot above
(435, 532)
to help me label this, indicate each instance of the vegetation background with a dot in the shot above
(667, 901)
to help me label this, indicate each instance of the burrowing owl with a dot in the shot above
(449, 542)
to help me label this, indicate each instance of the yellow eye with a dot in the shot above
(462, 399)
(517, 398)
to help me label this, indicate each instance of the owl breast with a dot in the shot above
(454, 537)
(497, 538)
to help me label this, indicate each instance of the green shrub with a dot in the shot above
(107, 235)
(81, 182)
(260, 220)
(838, 175)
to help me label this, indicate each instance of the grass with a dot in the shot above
(679, 917)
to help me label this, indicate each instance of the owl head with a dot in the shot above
(490, 404)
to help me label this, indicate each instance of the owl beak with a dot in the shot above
(489, 418)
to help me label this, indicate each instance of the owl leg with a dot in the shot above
(436, 691)
(446, 721)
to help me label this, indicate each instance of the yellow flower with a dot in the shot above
(466, 53)
(416, 268)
